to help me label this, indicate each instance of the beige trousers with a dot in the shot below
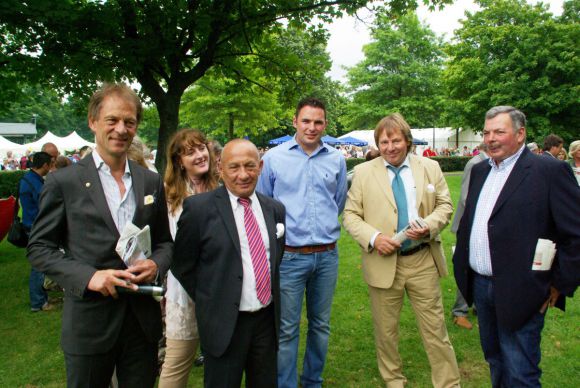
(417, 276)
(179, 356)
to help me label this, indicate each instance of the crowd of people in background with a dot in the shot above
(237, 251)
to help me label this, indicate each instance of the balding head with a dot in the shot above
(52, 150)
(240, 167)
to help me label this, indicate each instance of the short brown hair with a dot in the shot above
(392, 122)
(108, 89)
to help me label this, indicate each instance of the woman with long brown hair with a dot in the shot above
(191, 169)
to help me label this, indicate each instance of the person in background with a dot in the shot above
(514, 200)
(29, 192)
(388, 194)
(62, 161)
(460, 308)
(562, 155)
(84, 151)
(574, 159)
(53, 151)
(553, 145)
(533, 147)
(190, 170)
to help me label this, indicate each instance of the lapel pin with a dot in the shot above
(88, 184)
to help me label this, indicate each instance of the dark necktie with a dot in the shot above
(401, 200)
(257, 253)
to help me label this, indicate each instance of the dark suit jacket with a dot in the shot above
(74, 215)
(540, 199)
(207, 262)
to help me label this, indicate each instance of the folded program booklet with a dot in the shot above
(134, 244)
(544, 255)
(401, 237)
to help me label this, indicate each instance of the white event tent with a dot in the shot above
(6, 145)
(436, 137)
(70, 142)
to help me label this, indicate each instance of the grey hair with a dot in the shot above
(518, 117)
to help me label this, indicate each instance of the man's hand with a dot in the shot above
(554, 295)
(386, 245)
(105, 281)
(145, 271)
(415, 232)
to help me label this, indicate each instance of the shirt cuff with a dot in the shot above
(372, 242)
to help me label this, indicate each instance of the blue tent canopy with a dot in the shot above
(353, 141)
(280, 140)
(331, 140)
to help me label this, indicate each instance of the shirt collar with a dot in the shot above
(507, 161)
(293, 144)
(405, 163)
(234, 199)
(100, 163)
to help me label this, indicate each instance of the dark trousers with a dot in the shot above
(252, 349)
(513, 356)
(134, 357)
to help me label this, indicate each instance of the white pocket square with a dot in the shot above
(430, 188)
(149, 199)
(279, 230)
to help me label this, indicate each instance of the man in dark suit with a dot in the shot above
(514, 200)
(83, 210)
(228, 248)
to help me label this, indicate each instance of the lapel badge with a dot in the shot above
(88, 184)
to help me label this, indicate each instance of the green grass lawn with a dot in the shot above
(30, 354)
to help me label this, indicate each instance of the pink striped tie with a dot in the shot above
(257, 252)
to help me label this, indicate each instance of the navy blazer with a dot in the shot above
(540, 199)
(207, 262)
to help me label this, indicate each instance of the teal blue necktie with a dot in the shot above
(401, 200)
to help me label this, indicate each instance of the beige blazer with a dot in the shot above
(371, 207)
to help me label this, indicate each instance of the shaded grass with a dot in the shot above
(31, 354)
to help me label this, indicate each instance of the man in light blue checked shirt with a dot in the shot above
(309, 178)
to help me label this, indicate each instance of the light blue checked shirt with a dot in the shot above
(122, 208)
(311, 187)
(479, 254)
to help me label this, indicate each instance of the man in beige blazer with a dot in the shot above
(390, 269)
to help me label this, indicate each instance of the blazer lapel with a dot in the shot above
(519, 172)
(91, 182)
(138, 179)
(475, 186)
(382, 178)
(225, 209)
(419, 177)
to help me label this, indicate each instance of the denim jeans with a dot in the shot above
(316, 274)
(38, 296)
(513, 356)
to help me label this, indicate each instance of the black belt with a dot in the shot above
(411, 251)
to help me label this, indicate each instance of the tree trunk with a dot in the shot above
(168, 122)
(231, 126)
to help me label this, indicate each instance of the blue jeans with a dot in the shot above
(38, 296)
(316, 274)
(513, 356)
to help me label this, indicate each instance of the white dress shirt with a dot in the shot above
(249, 300)
(122, 207)
(479, 253)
